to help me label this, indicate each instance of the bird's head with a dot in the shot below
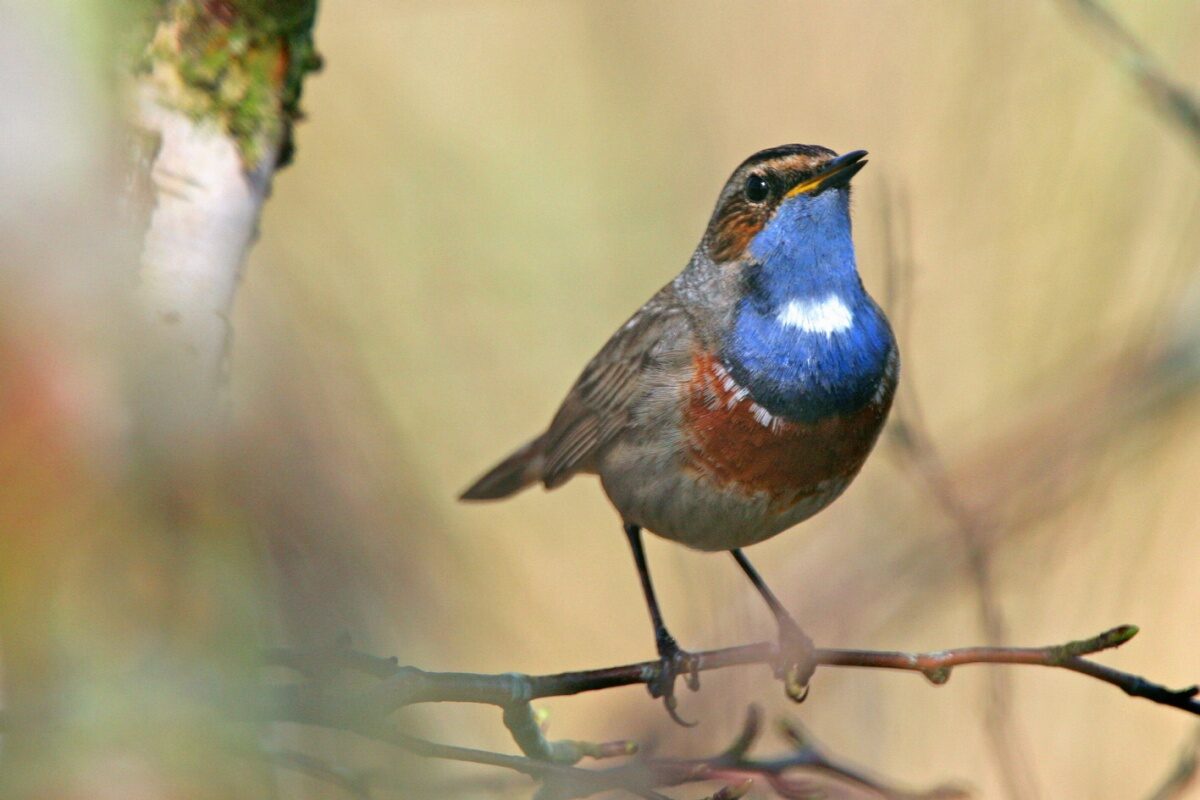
(787, 193)
(800, 331)
(781, 228)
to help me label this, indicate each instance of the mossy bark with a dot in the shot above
(217, 85)
(239, 64)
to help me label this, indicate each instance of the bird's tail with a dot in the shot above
(509, 476)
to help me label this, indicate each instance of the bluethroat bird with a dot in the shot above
(742, 398)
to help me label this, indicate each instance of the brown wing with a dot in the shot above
(602, 402)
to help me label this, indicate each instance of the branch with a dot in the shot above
(551, 762)
(404, 685)
(305, 764)
(317, 703)
(732, 767)
(1171, 100)
(1183, 773)
(216, 91)
(737, 769)
(910, 434)
(592, 780)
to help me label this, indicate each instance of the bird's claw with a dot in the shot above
(796, 662)
(674, 662)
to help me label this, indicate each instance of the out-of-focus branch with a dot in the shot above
(1183, 772)
(354, 785)
(215, 93)
(802, 772)
(909, 432)
(592, 780)
(1045, 459)
(1172, 101)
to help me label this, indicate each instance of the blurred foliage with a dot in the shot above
(482, 193)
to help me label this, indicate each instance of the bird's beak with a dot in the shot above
(837, 172)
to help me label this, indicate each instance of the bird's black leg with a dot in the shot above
(796, 652)
(675, 660)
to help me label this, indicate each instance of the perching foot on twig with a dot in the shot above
(674, 662)
(797, 659)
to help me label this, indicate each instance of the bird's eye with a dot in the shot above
(757, 188)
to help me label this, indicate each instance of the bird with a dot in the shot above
(741, 399)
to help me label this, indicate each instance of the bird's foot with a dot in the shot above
(674, 662)
(796, 661)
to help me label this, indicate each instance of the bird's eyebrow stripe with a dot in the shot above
(736, 226)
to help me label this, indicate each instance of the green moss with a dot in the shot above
(283, 16)
(238, 64)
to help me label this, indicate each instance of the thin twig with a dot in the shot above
(1172, 101)
(409, 685)
(1183, 773)
(594, 780)
(305, 764)
(790, 775)
(909, 431)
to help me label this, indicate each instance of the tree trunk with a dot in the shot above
(216, 94)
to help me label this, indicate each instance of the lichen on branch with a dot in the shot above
(216, 88)
(238, 64)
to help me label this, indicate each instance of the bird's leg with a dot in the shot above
(797, 656)
(675, 661)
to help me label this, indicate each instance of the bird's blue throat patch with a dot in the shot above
(807, 341)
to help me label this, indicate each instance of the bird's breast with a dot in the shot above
(735, 444)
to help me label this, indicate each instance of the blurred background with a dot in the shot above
(482, 192)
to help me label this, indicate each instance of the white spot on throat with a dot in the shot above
(828, 316)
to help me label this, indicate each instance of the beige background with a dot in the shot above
(483, 192)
